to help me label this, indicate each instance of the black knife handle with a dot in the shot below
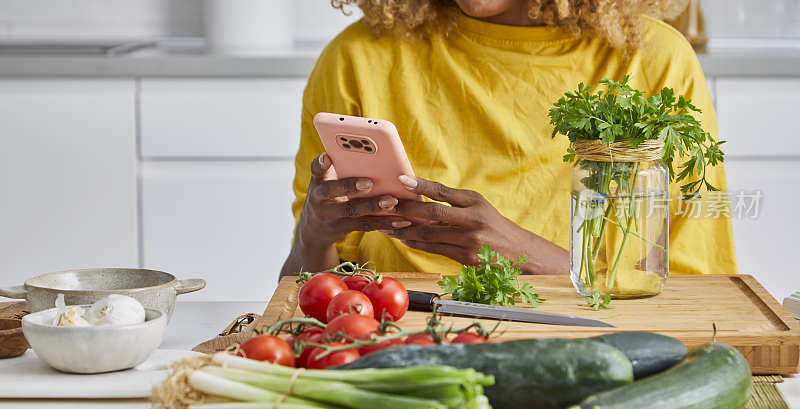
(421, 301)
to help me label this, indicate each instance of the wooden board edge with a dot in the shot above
(778, 355)
(220, 343)
(276, 308)
(771, 303)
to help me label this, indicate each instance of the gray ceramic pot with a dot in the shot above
(154, 289)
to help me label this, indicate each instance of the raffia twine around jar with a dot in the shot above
(594, 150)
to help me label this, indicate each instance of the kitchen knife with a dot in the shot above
(423, 301)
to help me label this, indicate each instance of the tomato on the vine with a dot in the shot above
(333, 359)
(389, 296)
(268, 348)
(349, 302)
(353, 325)
(420, 339)
(317, 292)
(358, 282)
(310, 334)
(469, 338)
(368, 349)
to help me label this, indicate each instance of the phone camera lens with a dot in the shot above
(365, 142)
(368, 149)
(356, 144)
(346, 146)
(341, 119)
(343, 138)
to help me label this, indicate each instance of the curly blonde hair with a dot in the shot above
(616, 21)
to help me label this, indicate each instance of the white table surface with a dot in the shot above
(195, 322)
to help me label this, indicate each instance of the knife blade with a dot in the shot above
(424, 301)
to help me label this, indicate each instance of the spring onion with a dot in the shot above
(224, 381)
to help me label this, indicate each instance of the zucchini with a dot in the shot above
(531, 373)
(714, 376)
(649, 353)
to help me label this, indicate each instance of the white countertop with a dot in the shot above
(195, 322)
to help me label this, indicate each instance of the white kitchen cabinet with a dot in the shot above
(67, 175)
(227, 222)
(712, 85)
(765, 240)
(220, 118)
(757, 116)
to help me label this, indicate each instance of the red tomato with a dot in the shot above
(357, 282)
(468, 338)
(310, 334)
(349, 302)
(377, 347)
(420, 339)
(317, 292)
(353, 325)
(389, 295)
(267, 348)
(333, 359)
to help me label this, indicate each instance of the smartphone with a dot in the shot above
(366, 147)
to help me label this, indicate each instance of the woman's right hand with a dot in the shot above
(328, 215)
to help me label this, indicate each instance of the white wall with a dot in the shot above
(752, 18)
(100, 18)
(314, 20)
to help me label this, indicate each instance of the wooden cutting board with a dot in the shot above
(746, 315)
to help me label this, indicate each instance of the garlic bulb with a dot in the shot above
(69, 316)
(73, 317)
(116, 309)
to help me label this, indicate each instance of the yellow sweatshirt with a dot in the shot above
(471, 108)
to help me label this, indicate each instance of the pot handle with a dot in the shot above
(189, 286)
(17, 292)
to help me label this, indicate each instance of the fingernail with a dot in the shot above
(364, 184)
(324, 160)
(387, 203)
(401, 224)
(408, 181)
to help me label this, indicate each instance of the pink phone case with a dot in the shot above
(366, 147)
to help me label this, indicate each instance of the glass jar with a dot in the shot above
(619, 228)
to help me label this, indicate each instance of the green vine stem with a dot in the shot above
(345, 269)
(435, 327)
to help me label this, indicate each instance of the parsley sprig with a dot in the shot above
(598, 301)
(492, 281)
(620, 113)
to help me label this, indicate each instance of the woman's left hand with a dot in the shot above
(458, 231)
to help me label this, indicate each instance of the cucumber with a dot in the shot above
(532, 373)
(714, 376)
(649, 353)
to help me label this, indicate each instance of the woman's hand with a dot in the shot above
(328, 216)
(458, 231)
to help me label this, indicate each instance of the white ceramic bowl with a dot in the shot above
(98, 349)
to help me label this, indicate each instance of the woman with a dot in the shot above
(468, 83)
